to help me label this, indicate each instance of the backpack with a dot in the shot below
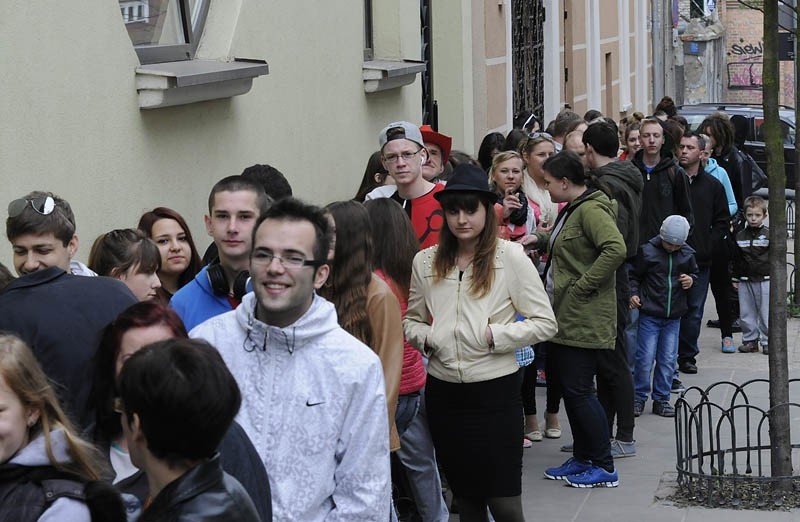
(757, 177)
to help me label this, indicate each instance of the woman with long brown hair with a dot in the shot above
(180, 261)
(366, 306)
(466, 294)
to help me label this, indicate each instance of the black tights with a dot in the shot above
(504, 509)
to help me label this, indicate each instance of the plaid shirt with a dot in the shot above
(525, 356)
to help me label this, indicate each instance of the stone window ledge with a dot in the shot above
(180, 83)
(382, 75)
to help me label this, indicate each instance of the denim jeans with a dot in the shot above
(693, 318)
(407, 408)
(658, 341)
(577, 368)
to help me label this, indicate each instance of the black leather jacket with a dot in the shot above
(203, 494)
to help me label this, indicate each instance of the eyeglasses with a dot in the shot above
(407, 156)
(117, 406)
(44, 205)
(291, 261)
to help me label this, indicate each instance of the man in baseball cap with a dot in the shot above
(403, 154)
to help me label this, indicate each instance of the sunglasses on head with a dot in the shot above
(44, 205)
(534, 135)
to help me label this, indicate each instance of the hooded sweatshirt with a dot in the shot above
(665, 192)
(626, 184)
(314, 406)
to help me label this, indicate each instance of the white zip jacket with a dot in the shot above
(314, 406)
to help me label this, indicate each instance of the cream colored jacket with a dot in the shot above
(448, 324)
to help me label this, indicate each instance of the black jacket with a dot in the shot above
(711, 217)
(518, 216)
(665, 192)
(60, 316)
(654, 278)
(205, 493)
(734, 164)
(239, 459)
(751, 254)
(626, 184)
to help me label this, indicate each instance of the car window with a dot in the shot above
(787, 131)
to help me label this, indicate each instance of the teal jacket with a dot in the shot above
(583, 260)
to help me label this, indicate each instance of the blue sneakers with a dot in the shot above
(570, 467)
(594, 477)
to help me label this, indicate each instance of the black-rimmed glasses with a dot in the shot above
(44, 205)
(291, 261)
(407, 156)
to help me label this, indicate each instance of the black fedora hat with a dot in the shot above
(467, 178)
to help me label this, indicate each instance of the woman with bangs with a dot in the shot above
(180, 261)
(465, 296)
(128, 255)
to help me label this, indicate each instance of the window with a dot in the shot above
(164, 30)
(369, 51)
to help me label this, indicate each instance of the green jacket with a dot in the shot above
(584, 258)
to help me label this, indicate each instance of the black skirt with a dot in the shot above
(477, 430)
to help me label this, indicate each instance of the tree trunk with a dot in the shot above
(779, 433)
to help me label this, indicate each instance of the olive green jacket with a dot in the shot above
(584, 258)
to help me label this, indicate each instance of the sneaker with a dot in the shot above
(765, 349)
(663, 408)
(620, 449)
(594, 477)
(677, 386)
(571, 467)
(638, 408)
(727, 345)
(687, 367)
(541, 378)
(526, 443)
(749, 347)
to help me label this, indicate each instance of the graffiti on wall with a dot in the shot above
(745, 75)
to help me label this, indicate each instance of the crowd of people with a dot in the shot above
(318, 363)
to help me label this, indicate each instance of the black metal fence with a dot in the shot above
(723, 444)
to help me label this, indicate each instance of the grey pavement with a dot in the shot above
(635, 498)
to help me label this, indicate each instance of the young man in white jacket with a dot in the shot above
(313, 400)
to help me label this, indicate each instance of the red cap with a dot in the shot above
(443, 142)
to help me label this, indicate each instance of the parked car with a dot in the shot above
(754, 144)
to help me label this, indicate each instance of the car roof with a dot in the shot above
(785, 112)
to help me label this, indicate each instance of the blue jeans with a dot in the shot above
(407, 408)
(658, 341)
(693, 318)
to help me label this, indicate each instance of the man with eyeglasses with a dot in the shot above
(403, 155)
(60, 315)
(313, 400)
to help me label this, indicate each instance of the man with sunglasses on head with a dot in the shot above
(313, 400)
(57, 313)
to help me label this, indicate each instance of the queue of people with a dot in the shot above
(315, 350)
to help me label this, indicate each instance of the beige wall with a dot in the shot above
(71, 122)
(471, 69)
(592, 31)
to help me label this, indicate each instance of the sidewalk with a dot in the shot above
(633, 500)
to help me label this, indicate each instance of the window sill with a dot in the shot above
(382, 75)
(180, 83)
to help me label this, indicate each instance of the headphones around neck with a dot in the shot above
(219, 283)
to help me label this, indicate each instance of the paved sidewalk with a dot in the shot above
(634, 499)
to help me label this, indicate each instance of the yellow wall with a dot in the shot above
(71, 122)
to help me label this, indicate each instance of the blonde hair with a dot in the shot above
(755, 202)
(502, 157)
(25, 378)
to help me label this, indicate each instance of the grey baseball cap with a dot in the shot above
(401, 130)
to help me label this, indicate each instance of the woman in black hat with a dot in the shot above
(466, 294)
